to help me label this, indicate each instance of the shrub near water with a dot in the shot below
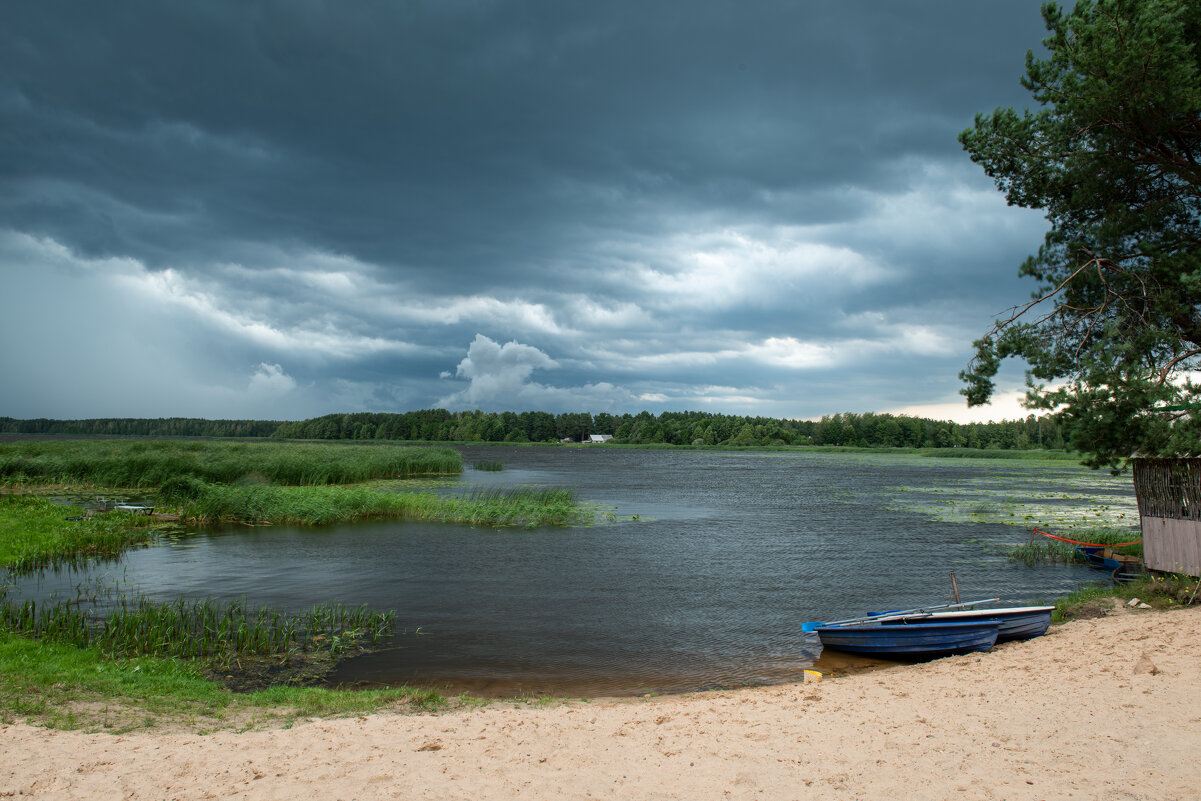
(139, 464)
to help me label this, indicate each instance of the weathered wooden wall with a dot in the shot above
(1173, 546)
(1168, 488)
(1169, 506)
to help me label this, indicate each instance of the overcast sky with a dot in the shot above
(285, 209)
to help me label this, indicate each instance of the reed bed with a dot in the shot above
(146, 464)
(1042, 550)
(206, 630)
(490, 467)
(546, 506)
(211, 503)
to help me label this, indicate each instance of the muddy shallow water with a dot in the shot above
(699, 574)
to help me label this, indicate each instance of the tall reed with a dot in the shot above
(150, 463)
(199, 629)
(1043, 550)
(522, 506)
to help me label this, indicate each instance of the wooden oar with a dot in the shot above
(813, 624)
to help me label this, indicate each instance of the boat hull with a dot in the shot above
(1017, 623)
(1123, 567)
(901, 641)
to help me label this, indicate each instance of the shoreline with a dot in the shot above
(595, 686)
(1102, 708)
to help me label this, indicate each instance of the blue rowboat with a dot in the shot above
(1099, 556)
(902, 641)
(1123, 567)
(1017, 622)
(870, 617)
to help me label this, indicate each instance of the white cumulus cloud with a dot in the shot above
(270, 379)
(499, 378)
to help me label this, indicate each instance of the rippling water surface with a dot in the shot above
(729, 553)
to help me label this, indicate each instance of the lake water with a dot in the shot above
(702, 579)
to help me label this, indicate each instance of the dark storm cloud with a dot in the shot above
(457, 135)
(337, 198)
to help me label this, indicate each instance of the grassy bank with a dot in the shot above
(140, 464)
(35, 532)
(64, 686)
(1168, 591)
(140, 664)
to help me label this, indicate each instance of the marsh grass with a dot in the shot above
(542, 506)
(522, 506)
(1043, 550)
(206, 630)
(151, 463)
(1042, 553)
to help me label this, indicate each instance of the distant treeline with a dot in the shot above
(671, 428)
(679, 428)
(142, 427)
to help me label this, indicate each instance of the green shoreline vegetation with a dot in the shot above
(131, 668)
(200, 502)
(139, 464)
(136, 663)
(1049, 551)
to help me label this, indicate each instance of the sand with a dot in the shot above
(1105, 709)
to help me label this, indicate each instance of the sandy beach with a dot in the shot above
(1107, 709)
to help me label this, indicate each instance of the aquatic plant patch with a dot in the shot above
(150, 463)
(1044, 550)
(521, 506)
(200, 629)
(1056, 498)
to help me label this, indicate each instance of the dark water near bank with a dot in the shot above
(730, 553)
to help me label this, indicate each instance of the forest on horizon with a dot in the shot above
(669, 428)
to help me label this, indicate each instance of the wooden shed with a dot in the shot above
(1169, 508)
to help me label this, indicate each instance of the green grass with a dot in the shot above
(1167, 591)
(34, 532)
(63, 686)
(216, 633)
(211, 503)
(151, 463)
(1044, 550)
